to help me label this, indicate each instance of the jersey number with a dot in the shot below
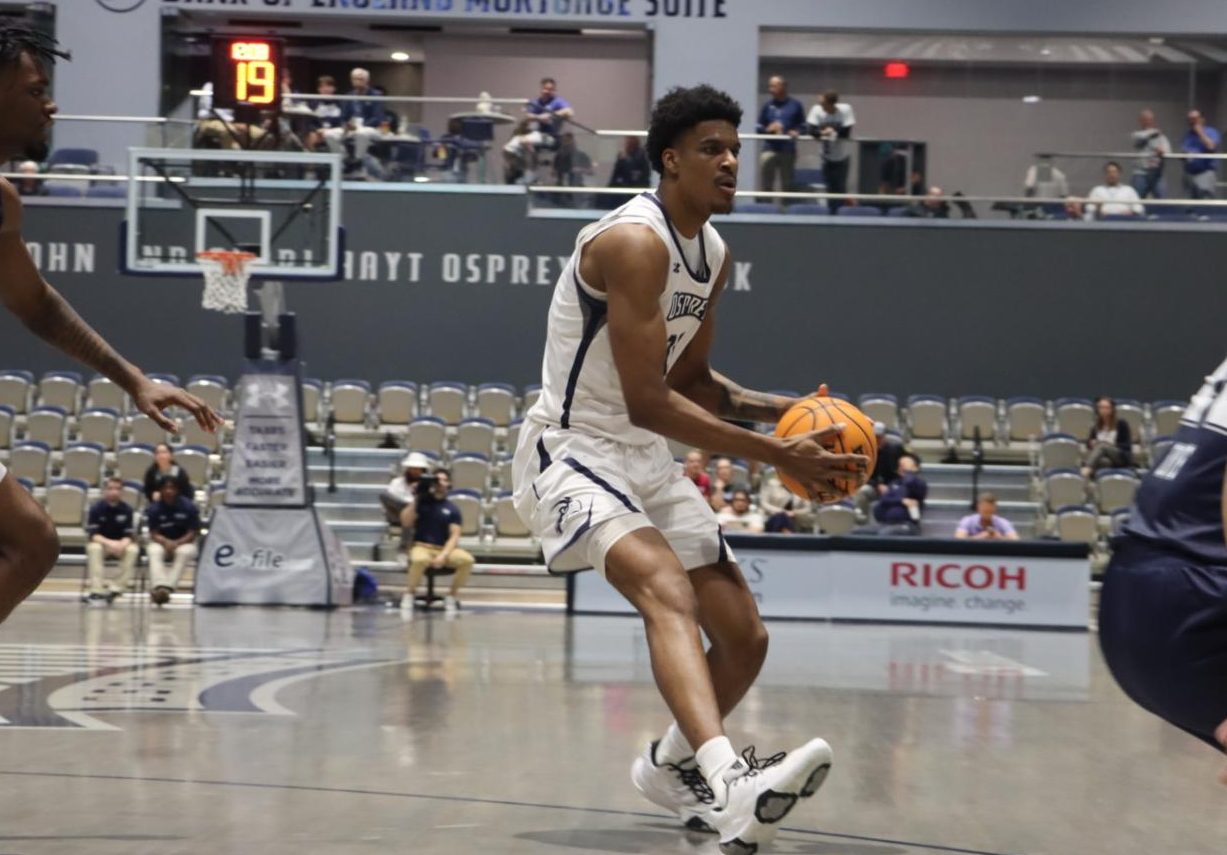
(674, 341)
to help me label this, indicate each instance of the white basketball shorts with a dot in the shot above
(3, 472)
(579, 494)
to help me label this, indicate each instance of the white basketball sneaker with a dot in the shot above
(679, 788)
(758, 794)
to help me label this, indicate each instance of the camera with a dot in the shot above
(426, 484)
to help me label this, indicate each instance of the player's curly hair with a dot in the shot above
(16, 39)
(680, 110)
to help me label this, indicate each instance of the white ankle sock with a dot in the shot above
(714, 756)
(673, 747)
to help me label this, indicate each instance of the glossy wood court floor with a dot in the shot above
(125, 730)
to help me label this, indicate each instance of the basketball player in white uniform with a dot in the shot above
(28, 543)
(626, 364)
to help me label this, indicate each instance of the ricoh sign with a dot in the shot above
(888, 580)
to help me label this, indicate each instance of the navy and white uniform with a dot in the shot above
(1163, 608)
(584, 475)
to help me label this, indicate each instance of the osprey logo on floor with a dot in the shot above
(77, 686)
(686, 305)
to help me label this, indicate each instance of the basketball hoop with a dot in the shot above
(225, 276)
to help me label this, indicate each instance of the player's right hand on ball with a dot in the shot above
(822, 472)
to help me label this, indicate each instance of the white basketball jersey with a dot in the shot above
(580, 385)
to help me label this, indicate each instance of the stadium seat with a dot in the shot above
(859, 211)
(106, 191)
(8, 422)
(48, 425)
(190, 433)
(429, 434)
(142, 430)
(350, 402)
(1077, 524)
(213, 389)
(1166, 416)
(63, 389)
(396, 403)
(977, 412)
(1115, 489)
(1074, 416)
(470, 472)
(531, 394)
(1060, 451)
(837, 518)
(448, 401)
(32, 461)
(1063, 487)
(927, 420)
(755, 208)
(132, 461)
(133, 494)
(17, 391)
(471, 513)
(501, 470)
(83, 461)
(102, 392)
(65, 502)
(1026, 419)
(496, 402)
(99, 425)
(79, 156)
(1117, 522)
(513, 435)
(63, 189)
(475, 435)
(195, 462)
(507, 522)
(1134, 413)
(811, 209)
(881, 407)
(312, 395)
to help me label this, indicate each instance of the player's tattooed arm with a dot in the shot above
(737, 402)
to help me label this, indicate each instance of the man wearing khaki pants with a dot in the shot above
(436, 526)
(111, 528)
(174, 525)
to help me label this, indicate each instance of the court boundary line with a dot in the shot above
(934, 847)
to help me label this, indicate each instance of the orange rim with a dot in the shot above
(231, 261)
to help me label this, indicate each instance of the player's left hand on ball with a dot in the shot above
(152, 398)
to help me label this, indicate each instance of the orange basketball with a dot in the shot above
(856, 438)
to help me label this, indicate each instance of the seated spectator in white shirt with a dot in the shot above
(984, 524)
(401, 490)
(1112, 198)
(737, 515)
(786, 513)
(29, 184)
(723, 485)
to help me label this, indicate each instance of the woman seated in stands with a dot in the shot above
(164, 466)
(1110, 443)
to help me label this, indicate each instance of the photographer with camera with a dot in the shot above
(436, 532)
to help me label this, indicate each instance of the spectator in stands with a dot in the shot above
(548, 113)
(218, 129)
(933, 206)
(29, 184)
(174, 525)
(985, 524)
(901, 502)
(737, 515)
(890, 450)
(164, 466)
(1112, 198)
(785, 512)
(631, 169)
(1152, 146)
(831, 121)
(781, 115)
(327, 113)
(111, 527)
(400, 490)
(360, 119)
(436, 524)
(457, 151)
(520, 154)
(1110, 444)
(723, 486)
(1201, 174)
(695, 468)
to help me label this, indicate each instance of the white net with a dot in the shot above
(225, 276)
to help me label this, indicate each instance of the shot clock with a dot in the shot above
(247, 72)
